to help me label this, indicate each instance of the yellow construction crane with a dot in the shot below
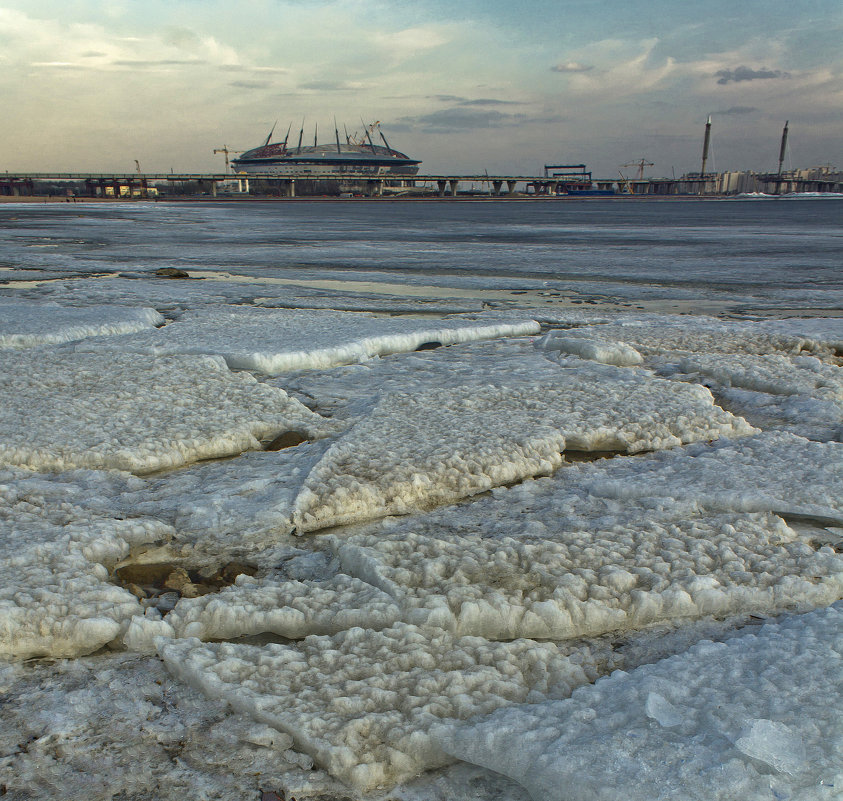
(354, 139)
(641, 164)
(224, 149)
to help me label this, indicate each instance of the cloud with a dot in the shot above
(451, 120)
(744, 73)
(334, 86)
(250, 84)
(486, 101)
(736, 110)
(571, 66)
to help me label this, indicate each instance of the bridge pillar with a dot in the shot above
(441, 185)
(510, 187)
(496, 185)
(291, 187)
(453, 187)
(213, 188)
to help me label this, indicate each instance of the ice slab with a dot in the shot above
(56, 598)
(775, 472)
(430, 447)
(134, 412)
(115, 725)
(703, 335)
(522, 573)
(272, 341)
(25, 325)
(291, 609)
(757, 717)
(362, 702)
(775, 375)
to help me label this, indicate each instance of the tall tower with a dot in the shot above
(706, 142)
(783, 147)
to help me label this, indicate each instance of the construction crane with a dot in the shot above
(367, 134)
(224, 149)
(641, 164)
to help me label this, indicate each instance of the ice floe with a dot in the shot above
(757, 717)
(133, 412)
(522, 574)
(25, 325)
(291, 609)
(429, 447)
(362, 703)
(272, 341)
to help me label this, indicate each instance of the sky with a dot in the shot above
(466, 86)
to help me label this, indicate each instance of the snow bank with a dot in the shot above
(56, 598)
(273, 341)
(522, 574)
(599, 350)
(417, 450)
(362, 703)
(292, 609)
(755, 718)
(136, 413)
(25, 325)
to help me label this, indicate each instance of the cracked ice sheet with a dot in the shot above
(25, 325)
(272, 341)
(522, 574)
(291, 609)
(436, 446)
(116, 725)
(361, 703)
(677, 730)
(770, 472)
(56, 598)
(168, 294)
(132, 412)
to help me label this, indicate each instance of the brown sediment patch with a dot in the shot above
(286, 439)
(574, 456)
(154, 579)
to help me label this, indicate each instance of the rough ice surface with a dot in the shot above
(272, 341)
(596, 349)
(132, 412)
(775, 375)
(710, 336)
(774, 472)
(56, 598)
(291, 609)
(362, 703)
(117, 725)
(25, 325)
(430, 447)
(756, 717)
(522, 574)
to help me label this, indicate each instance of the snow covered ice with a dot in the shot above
(133, 412)
(595, 548)
(754, 718)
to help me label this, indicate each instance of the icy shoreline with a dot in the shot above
(427, 547)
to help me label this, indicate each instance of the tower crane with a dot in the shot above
(224, 149)
(641, 164)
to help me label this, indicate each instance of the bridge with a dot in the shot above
(374, 185)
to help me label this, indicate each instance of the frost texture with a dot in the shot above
(272, 341)
(417, 450)
(759, 720)
(525, 575)
(362, 703)
(292, 609)
(25, 325)
(137, 413)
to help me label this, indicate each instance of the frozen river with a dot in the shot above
(422, 500)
